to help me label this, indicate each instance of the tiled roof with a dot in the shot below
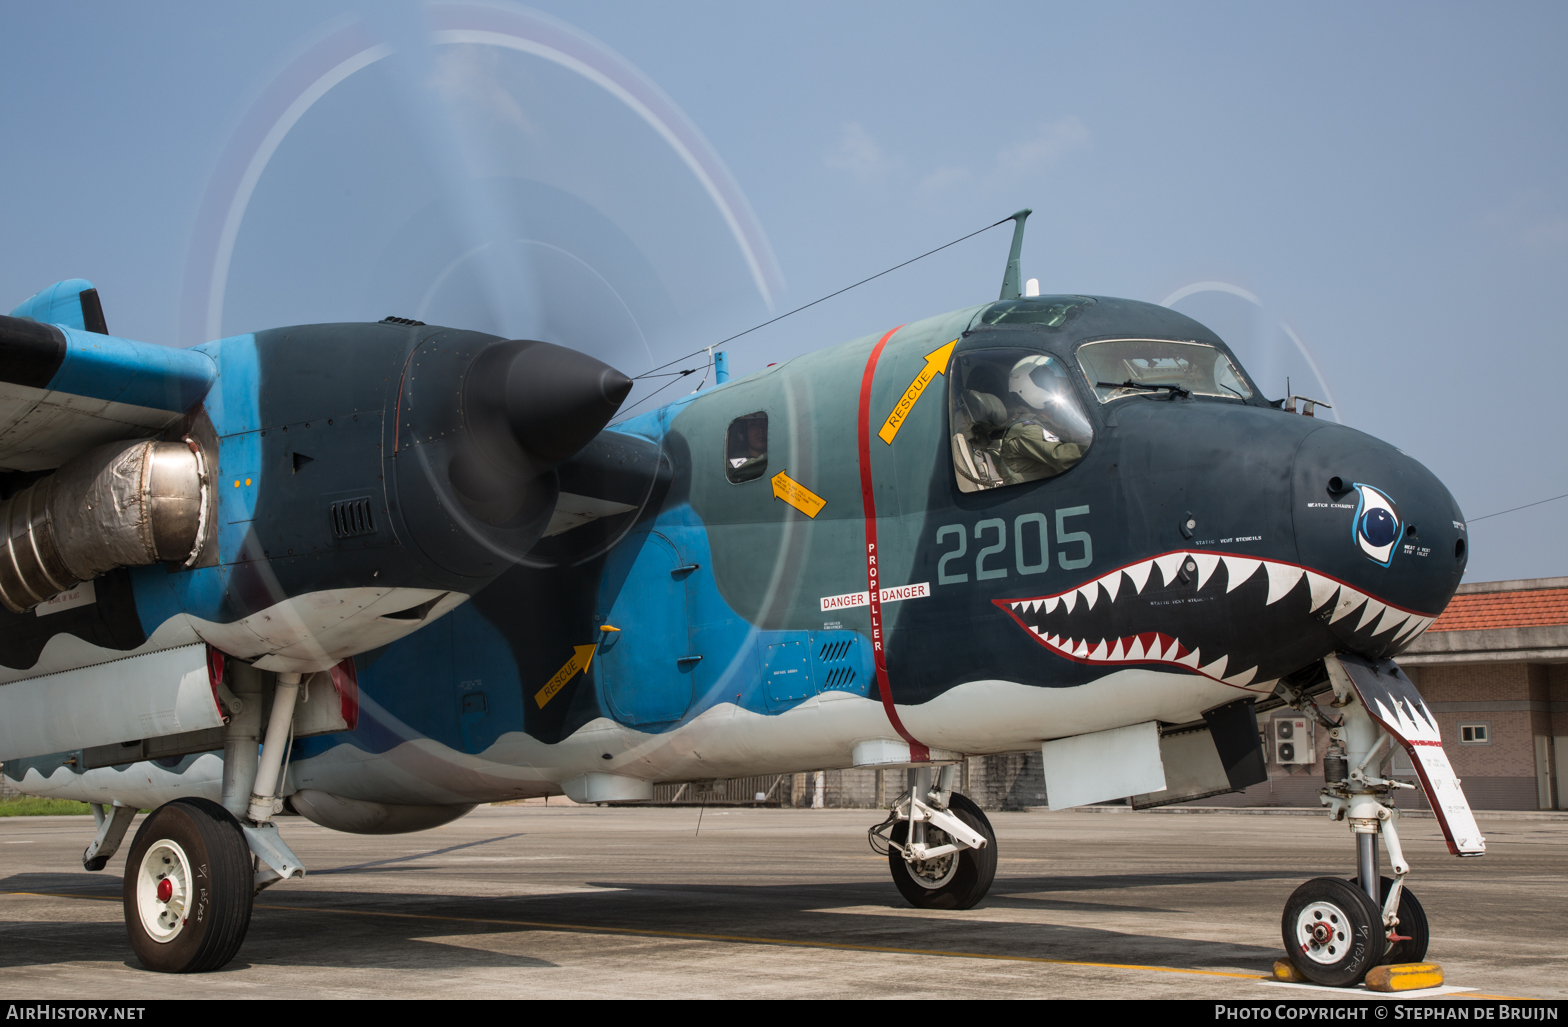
(1482, 610)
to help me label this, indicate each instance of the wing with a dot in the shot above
(66, 386)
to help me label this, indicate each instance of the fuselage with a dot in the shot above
(860, 590)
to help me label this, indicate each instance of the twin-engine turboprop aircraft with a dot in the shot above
(375, 574)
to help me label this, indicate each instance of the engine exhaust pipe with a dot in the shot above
(119, 505)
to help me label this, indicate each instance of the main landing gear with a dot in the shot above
(940, 847)
(1336, 930)
(188, 887)
(195, 866)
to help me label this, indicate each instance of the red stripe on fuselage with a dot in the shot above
(917, 750)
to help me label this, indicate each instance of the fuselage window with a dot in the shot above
(1014, 418)
(746, 448)
(1139, 367)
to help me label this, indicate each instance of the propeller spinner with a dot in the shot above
(488, 422)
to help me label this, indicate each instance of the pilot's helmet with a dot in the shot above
(1037, 380)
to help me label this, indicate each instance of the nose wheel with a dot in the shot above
(945, 871)
(188, 887)
(1333, 931)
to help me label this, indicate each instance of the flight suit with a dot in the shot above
(1027, 453)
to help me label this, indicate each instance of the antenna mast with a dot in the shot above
(1012, 279)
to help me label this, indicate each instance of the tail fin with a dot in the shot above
(73, 303)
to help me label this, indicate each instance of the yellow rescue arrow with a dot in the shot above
(582, 656)
(936, 363)
(797, 495)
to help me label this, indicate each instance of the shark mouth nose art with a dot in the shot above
(1233, 619)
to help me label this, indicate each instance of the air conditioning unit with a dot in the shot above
(1292, 740)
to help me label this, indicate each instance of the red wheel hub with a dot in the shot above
(1322, 933)
(165, 890)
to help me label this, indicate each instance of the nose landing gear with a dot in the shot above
(940, 847)
(1335, 931)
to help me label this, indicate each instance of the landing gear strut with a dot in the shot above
(940, 847)
(195, 867)
(1335, 930)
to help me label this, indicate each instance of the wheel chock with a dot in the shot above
(1285, 970)
(1404, 977)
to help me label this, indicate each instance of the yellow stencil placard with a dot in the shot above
(936, 363)
(797, 495)
(581, 657)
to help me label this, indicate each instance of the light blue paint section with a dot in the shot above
(161, 596)
(136, 373)
(232, 407)
(57, 305)
(655, 423)
(732, 649)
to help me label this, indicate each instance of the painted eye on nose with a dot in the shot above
(1377, 524)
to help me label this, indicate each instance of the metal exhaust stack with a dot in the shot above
(120, 505)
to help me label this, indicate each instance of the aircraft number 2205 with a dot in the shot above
(1031, 544)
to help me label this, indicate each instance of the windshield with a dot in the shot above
(1138, 367)
(1015, 418)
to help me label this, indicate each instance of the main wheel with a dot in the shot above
(955, 881)
(1333, 931)
(188, 887)
(1412, 930)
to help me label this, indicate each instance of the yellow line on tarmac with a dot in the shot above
(695, 936)
(747, 939)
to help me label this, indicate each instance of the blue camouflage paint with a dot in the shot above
(423, 678)
(60, 304)
(232, 407)
(135, 373)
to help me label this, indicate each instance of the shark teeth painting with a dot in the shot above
(1210, 614)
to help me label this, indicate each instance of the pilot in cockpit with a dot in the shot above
(1031, 435)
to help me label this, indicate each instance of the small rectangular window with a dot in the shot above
(1475, 734)
(746, 448)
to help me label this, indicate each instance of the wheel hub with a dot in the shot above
(163, 890)
(934, 873)
(1323, 932)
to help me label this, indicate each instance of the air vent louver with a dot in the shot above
(351, 517)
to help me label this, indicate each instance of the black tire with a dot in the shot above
(1412, 927)
(1333, 932)
(967, 883)
(188, 887)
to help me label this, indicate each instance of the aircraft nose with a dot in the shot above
(1383, 526)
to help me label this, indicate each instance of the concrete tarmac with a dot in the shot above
(567, 902)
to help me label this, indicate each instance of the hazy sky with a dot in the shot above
(1387, 180)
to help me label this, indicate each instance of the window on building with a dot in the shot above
(746, 448)
(1475, 734)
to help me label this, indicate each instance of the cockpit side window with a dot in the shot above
(1014, 418)
(746, 448)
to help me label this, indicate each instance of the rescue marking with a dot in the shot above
(850, 600)
(936, 363)
(581, 657)
(796, 494)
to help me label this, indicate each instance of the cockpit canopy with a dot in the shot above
(1118, 368)
(1015, 418)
